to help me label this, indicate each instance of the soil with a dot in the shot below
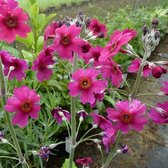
(146, 147)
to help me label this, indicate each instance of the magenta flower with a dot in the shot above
(59, 114)
(12, 23)
(101, 121)
(110, 70)
(25, 103)
(86, 161)
(85, 83)
(66, 41)
(8, 4)
(108, 138)
(98, 97)
(128, 115)
(94, 55)
(84, 50)
(13, 67)
(159, 115)
(97, 28)
(82, 114)
(43, 64)
(157, 71)
(117, 40)
(134, 67)
(165, 87)
(50, 30)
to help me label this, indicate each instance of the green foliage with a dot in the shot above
(66, 164)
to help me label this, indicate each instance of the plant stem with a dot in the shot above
(7, 117)
(113, 151)
(73, 119)
(139, 74)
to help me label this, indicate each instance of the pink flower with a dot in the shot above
(165, 87)
(159, 115)
(12, 23)
(117, 40)
(67, 41)
(128, 115)
(99, 97)
(82, 114)
(134, 67)
(42, 64)
(50, 30)
(59, 114)
(25, 103)
(13, 67)
(157, 71)
(94, 54)
(84, 50)
(85, 83)
(86, 161)
(110, 70)
(101, 121)
(108, 138)
(97, 28)
(8, 4)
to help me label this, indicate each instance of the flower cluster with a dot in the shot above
(95, 69)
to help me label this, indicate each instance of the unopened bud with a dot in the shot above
(155, 23)
(145, 30)
(34, 152)
(4, 141)
(97, 141)
(95, 126)
(157, 35)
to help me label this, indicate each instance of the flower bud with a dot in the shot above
(155, 23)
(157, 71)
(145, 30)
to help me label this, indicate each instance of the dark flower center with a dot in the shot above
(11, 21)
(85, 48)
(126, 118)
(96, 29)
(26, 106)
(15, 64)
(113, 47)
(96, 56)
(85, 83)
(65, 40)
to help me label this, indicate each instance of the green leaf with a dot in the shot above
(12, 50)
(66, 164)
(28, 42)
(110, 100)
(27, 55)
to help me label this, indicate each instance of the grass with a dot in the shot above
(44, 4)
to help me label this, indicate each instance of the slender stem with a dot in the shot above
(73, 119)
(67, 125)
(89, 138)
(148, 94)
(7, 116)
(8, 157)
(139, 74)
(87, 132)
(78, 128)
(113, 151)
